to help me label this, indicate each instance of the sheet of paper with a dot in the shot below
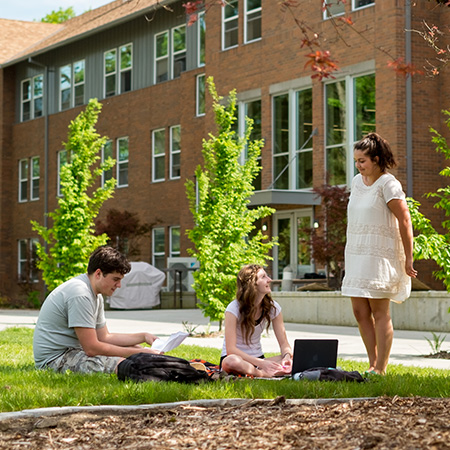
(173, 341)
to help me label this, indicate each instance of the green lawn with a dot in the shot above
(24, 387)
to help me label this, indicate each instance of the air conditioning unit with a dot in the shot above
(183, 268)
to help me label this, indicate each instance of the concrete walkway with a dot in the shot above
(408, 347)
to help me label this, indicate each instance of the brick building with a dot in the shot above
(148, 68)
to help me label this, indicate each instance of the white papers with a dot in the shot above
(173, 341)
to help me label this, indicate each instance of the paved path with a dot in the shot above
(407, 349)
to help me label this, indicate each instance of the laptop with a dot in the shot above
(310, 353)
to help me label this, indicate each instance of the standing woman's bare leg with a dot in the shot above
(384, 331)
(363, 315)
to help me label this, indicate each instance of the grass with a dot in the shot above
(24, 387)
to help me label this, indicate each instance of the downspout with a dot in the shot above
(409, 141)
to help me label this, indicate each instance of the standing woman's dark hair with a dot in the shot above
(246, 296)
(373, 145)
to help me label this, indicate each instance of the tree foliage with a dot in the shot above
(429, 243)
(225, 235)
(60, 16)
(71, 238)
(328, 242)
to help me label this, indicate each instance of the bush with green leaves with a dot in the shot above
(429, 243)
(71, 237)
(225, 235)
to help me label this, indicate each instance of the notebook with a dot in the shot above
(310, 353)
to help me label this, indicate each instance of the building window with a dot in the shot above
(110, 72)
(23, 180)
(159, 248)
(175, 152)
(201, 39)
(174, 241)
(230, 19)
(362, 3)
(32, 93)
(27, 257)
(292, 141)
(334, 8)
(252, 27)
(122, 162)
(251, 109)
(200, 95)
(162, 57)
(355, 95)
(107, 152)
(158, 154)
(179, 51)
(71, 85)
(62, 161)
(35, 176)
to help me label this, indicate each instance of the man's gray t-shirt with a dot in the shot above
(72, 304)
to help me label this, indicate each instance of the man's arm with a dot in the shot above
(101, 342)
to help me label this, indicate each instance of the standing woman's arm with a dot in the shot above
(400, 210)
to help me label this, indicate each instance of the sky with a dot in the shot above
(36, 9)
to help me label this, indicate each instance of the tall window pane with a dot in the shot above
(26, 100)
(364, 100)
(304, 146)
(281, 141)
(162, 57)
(78, 81)
(336, 132)
(200, 104)
(107, 152)
(23, 180)
(252, 20)
(35, 176)
(253, 111)
(110, 73)
(201, 39)
(179, 50)
(126, 61)
(122, 162)
(65, 85)
(174, 241)
(230, 24)
(159, 248)
(159, 152)
(38, 93)
(175, 152)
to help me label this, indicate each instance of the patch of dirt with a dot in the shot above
(383, 423)
(443, 354)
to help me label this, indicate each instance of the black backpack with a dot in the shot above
(155, 367)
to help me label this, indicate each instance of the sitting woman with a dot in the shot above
(245, 320)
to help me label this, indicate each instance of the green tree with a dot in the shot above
(225, 235)
(59, 16)
(71, 239)
(429, 244)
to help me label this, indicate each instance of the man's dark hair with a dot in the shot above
(108, 260)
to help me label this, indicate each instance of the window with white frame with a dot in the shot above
(122, 161)
(179, 51)
(333, 8)
(252, 23)
(349, 115)
(62, 161)
(27, 256)
(175, 152)
(292, 140)
(126, 66)
(362, 3)
(251, 109)
(200, 95)
(23, 180)
(159, 248)
(174, 241)
(159, 154)
(71, 85)
(32, 93)
(107, 152)
(35, 177)
(201, 39)
(230, 20)
(162, 57)
(110, 72)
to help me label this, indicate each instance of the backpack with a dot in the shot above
(328, 374)
(156, 367)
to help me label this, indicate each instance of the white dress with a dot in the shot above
(374, 254)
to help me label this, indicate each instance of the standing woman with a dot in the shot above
(245, 320)
(379, 249)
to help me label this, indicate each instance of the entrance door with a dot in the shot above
(292, 248)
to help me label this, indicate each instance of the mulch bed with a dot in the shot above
(381, 423)
(443, 354)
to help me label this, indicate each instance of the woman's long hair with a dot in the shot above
(246, 296)
(374, 145)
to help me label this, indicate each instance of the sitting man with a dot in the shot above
(71, 332)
